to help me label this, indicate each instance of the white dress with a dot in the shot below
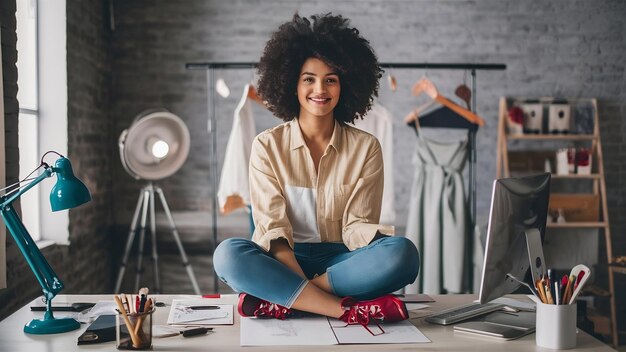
(234, 178)
(438, 214)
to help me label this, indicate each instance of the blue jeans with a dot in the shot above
(379, 268)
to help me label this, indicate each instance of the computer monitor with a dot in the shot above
(519, 206)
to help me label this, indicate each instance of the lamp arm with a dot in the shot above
(45, 174)
(46, 276)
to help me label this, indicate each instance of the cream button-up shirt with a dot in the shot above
(339, 203)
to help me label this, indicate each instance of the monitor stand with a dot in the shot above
(511, 325)
(535, 255)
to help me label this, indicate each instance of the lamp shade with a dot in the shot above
(68, 192)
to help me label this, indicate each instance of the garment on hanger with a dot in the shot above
(378, 122)
(437, 215)
(443, 117)
(234, 189)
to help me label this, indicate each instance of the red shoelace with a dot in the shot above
(268, 310)
(364, 314)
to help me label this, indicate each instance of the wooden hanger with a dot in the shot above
(426, 86)
(393, 83)
(416, 113)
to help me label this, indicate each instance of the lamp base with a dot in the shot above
(51, 326)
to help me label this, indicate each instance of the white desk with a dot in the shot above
(226, 338)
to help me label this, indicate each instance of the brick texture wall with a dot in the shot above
(15, 262)
(85, 265)
(90, 144)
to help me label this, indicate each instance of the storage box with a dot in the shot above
(576, 207)
(533, 118)
(559, 118)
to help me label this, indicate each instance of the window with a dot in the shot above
(42, 94)
(27, 96)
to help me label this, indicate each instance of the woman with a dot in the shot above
(316, 187)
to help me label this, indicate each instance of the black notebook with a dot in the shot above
(101, 330)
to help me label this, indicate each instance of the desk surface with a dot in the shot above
(226, 338)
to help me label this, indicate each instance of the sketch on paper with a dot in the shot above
(321, 331)
(290, 332)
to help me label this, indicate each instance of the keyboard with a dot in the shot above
(456, 314)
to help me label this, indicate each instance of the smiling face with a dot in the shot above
(318, 89)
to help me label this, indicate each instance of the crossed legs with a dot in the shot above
(382, 267)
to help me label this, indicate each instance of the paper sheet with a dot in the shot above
(180, 314)
(400, 332)
(321, 331)
(416, 306)
(290, 332)
(415, 298)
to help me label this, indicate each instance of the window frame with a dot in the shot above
(51, 47)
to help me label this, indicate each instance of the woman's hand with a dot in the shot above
(280, 250)
(378, 236)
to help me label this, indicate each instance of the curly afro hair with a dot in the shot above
(330, 39)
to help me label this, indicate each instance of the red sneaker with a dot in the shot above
(382, 309)
(250, 306)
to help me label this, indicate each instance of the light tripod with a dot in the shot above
(154, 147)
(145, 203)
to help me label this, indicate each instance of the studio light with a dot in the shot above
(154, 147)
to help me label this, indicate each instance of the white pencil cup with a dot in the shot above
(556, 326)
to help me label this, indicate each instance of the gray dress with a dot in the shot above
(438, 214)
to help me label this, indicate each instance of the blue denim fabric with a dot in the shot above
(381, 267)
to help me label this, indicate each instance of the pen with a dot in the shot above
(569, 289)
(557, 292)
(564, 282)
(142, 303)
(125, 303)
(140, 320)
(541, 290)
(548, 292)
(203, 307)
(195, 331)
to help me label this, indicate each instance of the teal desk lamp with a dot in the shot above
(68, 192)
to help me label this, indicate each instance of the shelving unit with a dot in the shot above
(598, 186)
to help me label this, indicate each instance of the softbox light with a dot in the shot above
(155, 146)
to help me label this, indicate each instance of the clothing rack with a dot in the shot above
(210, 68)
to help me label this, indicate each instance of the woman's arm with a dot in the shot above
(362, 210)
(269, 207)
(273, 230)
(281, 251)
